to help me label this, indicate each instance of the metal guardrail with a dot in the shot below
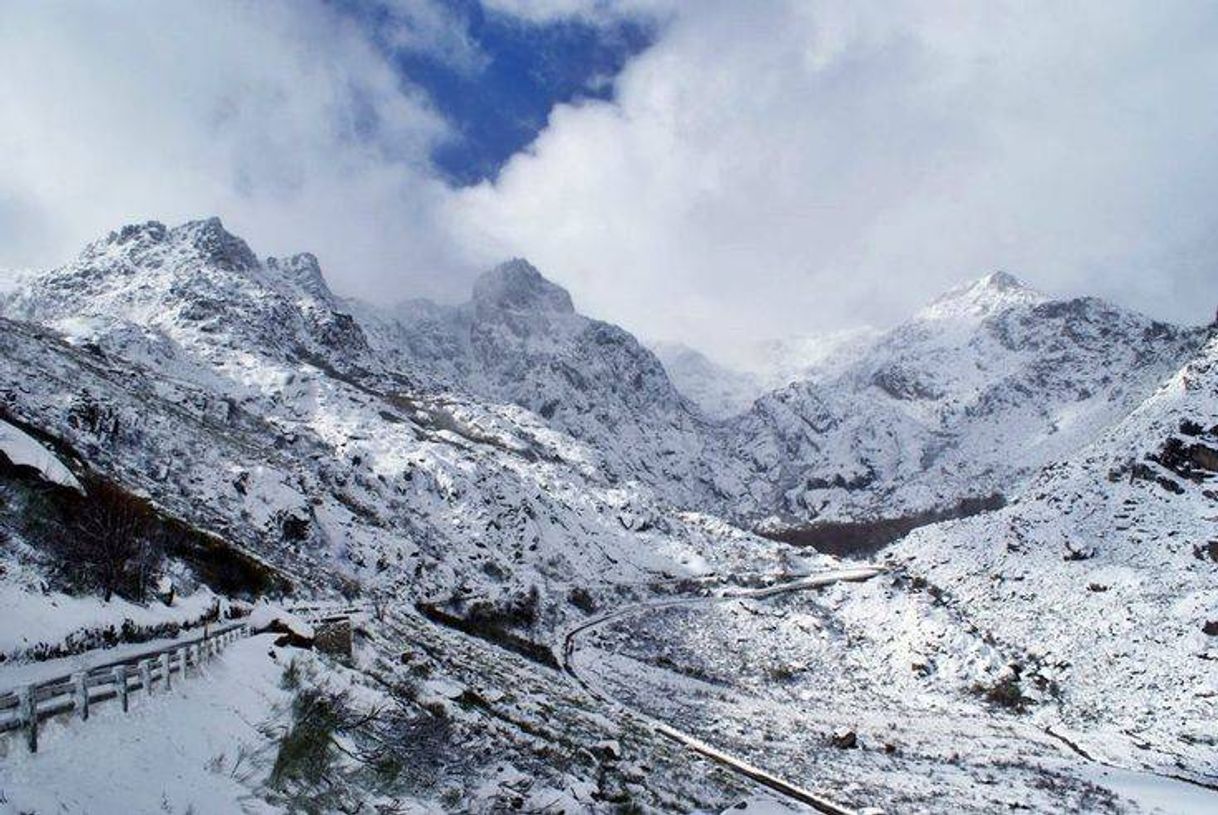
(26, 707)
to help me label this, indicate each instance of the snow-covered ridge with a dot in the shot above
(195, 298)
(914, 420)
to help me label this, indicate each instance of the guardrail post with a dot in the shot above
(195, 657)
(146, 676)
(166, 683)
(182, 659)
(29, 714)
(80, 685)
(120, 679)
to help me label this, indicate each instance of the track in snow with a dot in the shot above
(737, 765)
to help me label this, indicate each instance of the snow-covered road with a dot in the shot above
(1147, 790)
(772, 782)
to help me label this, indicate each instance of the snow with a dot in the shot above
(1156, 794)
(760, 806)
(265, 613)
(22, 449)
(192, 749)
(431, 452)
(32, 616)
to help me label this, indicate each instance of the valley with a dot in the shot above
(968, 565)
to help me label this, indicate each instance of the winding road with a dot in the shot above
(784, 788)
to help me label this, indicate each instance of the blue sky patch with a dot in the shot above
(499, 106)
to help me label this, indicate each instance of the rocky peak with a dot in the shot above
(214, 243)
(205, 240)
(302, 272)
(516, 286)
(980, 298)
(1002, 281)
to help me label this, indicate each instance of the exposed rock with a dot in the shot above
(844, 739)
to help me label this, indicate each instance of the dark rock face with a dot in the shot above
(1193, 460)
(333, 637)
(844, 739)
(518, 286)
(218, 245)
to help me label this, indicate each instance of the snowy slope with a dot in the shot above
(1105, 570)
(237, 394)
(720, 392)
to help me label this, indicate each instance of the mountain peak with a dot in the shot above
(1003, 281)
(994, 292)
(211, 240)
(517, 286)
(206, 239)
(302, 271)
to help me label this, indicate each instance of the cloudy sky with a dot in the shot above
(713, 171)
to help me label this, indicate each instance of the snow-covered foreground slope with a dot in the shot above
(421, 721)
(194, 749)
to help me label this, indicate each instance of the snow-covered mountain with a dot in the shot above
(512, 454)
(979, 390)
(1104, 570)
(238, 394)
(519, 340)
(919, 422)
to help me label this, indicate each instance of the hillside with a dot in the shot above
(510, 470)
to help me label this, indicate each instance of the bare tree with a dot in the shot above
(111, 538)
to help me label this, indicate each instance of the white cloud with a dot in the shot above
(782, 167)
(434, 29)
(548, 11)
(768, 168)
(279, 116)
